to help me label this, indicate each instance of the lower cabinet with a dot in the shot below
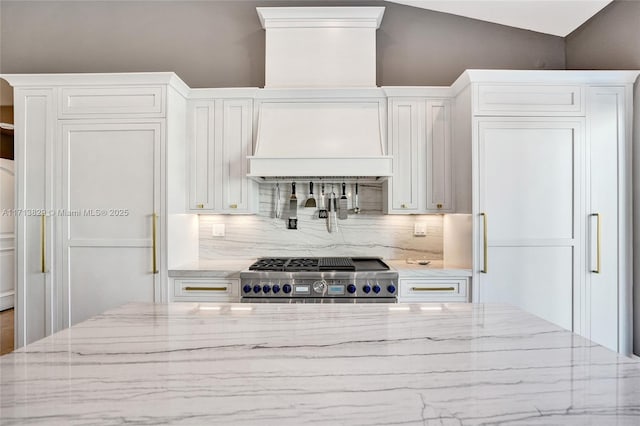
(205, 290)
(454, 289)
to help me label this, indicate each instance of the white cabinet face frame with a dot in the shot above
(528, 100)
(112, 102)
(607, 310)
(206, 290)
(237, 145)
(36, 291)
(438, 156)
(201, 125)
(433, 290)
(115, 157)
(220, 138)
(527, 187)
(406, 140)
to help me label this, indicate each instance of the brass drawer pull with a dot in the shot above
(190, 288)
(233, 206)
(200, 206)
(433, 288)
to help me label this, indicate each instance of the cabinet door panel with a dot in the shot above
(102, 278)
(406, 135)
(527, 180)
(110, 182)
(237, 144)
(202, 155)
(438, 161)
(529, 194)
(108, 259)
(606, 107)
(536, 279)
(34, 135)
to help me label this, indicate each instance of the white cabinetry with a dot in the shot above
(111, 194)
(420, 142)
(450, 289)
(551, 196)
(91, 161)
(528, 195)
(220, 137)
(206, 289)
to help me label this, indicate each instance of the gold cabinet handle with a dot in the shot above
(404, 206)
(233, 206)
(433, 288)
(155, 226)
(598, 238)
(43, 243)
(484, 243)
(200, 206)
(189, 288)
(439, 205)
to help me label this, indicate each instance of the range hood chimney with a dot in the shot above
(321, 114)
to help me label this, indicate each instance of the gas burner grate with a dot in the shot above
(302, 264)
(269, 264)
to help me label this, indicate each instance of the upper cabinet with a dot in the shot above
(220, 137)
(420, 142)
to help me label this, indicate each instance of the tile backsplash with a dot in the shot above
(369, 233)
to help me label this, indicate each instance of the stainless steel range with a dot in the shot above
(319, 280)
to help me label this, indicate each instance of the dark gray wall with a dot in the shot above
(609, 40)
(221, 43)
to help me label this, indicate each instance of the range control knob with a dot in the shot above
(320, 286)
(391, 288)
(351, 288)
(256, 288)
(366, 288)
(266, 288)
(276, 289)
(286, 288)
(376, 289)
(246, 288)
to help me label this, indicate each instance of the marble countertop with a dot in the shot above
(373, 364)
(435, 269)
(232, 268)
(212, 268)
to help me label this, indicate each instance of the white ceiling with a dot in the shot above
(556, 17)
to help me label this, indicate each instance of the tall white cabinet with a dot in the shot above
(550, 154)
(92, 185)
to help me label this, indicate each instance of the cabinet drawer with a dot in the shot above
(494, 99)
(205, 289)
(434, 290)
(121, 101)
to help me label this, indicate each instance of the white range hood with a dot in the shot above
(320, 114)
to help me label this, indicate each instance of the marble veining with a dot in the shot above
(366, 364)
(369, 233)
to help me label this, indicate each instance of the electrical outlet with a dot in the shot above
(420, 229)
(218, 230)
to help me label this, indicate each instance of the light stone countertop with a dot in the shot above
(435, 269)
(229, 268)
(364, 364)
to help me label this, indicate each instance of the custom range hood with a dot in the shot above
(320, 113)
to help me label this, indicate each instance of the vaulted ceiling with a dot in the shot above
(556, 17)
